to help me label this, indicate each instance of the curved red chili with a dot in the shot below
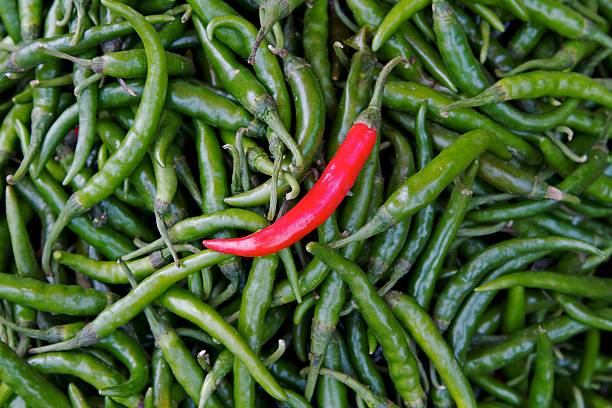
(327, 193)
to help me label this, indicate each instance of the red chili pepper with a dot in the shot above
(76, 132)
(326, 194)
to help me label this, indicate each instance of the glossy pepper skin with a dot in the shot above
(316, 206)
(327, 193)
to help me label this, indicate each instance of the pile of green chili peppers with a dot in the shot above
(468, 266)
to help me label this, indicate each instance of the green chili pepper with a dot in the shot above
(576, 182)
(540, 83)
(329, 390)
(568, 56)
(581, 313)
(588, 286)
(426, 335)
(498, 389)
(424, 218)
(525, 39)
(423, 278)
(162, 380)
(191, 98)
(565, 21)
(87, 102)
(23, 252)
(468, 277)
(83, 366)
(314, 37)
(556, 226)
(358, 350)
(255, 303)
(541, 391)
(587, 364)
(128, 64)
(77, 399)
(66, 121)
(30, 18)
(187, 306)
(287, 374)
(9, 14)
(422, 188)
(8, 132)
(401, 12)
(387, 330)
(129, 352)
(55, 298)
(27, 382)
(388, 246)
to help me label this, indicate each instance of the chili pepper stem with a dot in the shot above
(63, 80)
(80, 23)
(275, 124)
(62, 55)
(87, 82)
(72, 209)
(128, 89)
(229, 291)
(145, 249)
(371, 116)
(314, 368)
(49, 335)
(30, 153)
(277, 152)
(492, 95)
(381, 221)
(567, 151)
(8, 47)
(268, 17)
(67, 14)
(242, 161)
(84, 338)
(555, 194)
(559, 61)
(163, 231)
(236, 185)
